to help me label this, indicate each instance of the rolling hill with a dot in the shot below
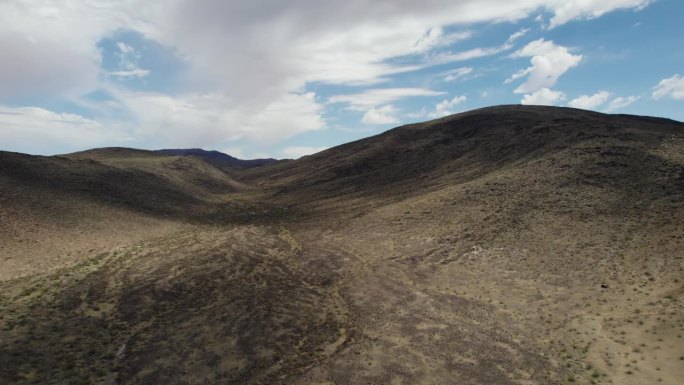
(505, 245)
(217, 158)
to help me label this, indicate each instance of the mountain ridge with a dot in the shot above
(218, 158)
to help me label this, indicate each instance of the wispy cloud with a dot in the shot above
(446, 107)
(380, 96)
(436, 37)
(621, 102)
(376, 103)
(672, 87)
(571, 10)
(474, 53)
(442, 108)
(380, 115)
(590, 102)
(134, 73)
(456, 74)
(517, 35)
(128, 63)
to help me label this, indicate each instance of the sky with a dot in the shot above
(287, 78)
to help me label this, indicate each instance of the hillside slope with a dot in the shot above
(566, 225)
(506, 245)
(56, 210)
(462, 147)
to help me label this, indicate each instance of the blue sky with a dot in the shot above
(284, 79)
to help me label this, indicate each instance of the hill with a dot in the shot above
(506, 245)
(218, 159)
(463, 147)
(55, 209)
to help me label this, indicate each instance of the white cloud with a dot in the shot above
(50, 131)
(296, 152)
(134, 73)
(590, 102)
(422, 114)
(672, 87)
(474, 53)
(621, 102)
(376, 103)
(435, 37)
(380, 115)
(457, 73)
(517, 35)
(450, 57)
(49, 47)
(543, 97)
(123, 47)
(589, 9)
(198, 119)
(445, 107)
(287, 116)
(549, 62)
(40, 67)
(379, 96)
(128, 63)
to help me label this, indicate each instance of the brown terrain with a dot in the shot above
(506, 245)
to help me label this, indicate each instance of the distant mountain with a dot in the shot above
(217, 158)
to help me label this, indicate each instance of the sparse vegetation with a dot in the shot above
(504, 246)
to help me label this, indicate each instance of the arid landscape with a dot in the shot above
(505, 245)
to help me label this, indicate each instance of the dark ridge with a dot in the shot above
(110, 152)
(217, 158)
(89, 179)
